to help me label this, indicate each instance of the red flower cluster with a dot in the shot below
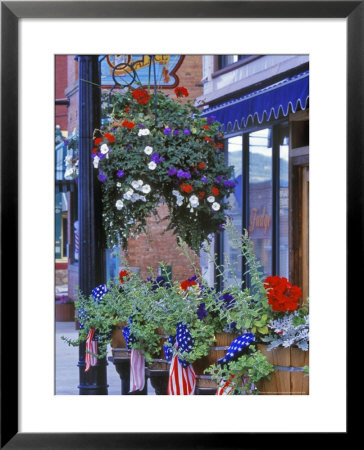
(217, 145)
(201, 195)
(181, 92)
(123, 274)
(206, 127)
(282, 295)
(127, 109)
(187, 283)
(207, 139)
(109, 137)
(215, 191)
(95, 150)
(128, 124)
(201, 165)
(186, 188)
(98, 141)
(141, 96)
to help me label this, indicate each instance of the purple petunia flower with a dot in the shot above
(229, 183)
(120, 173)
(176, 132)
(101, 155)
(180, 173)
(228, 300)
(172, 171)
(155, 158)
(201, 311)
(140, 125)
(102, 176)
(167, 131)
(187, 175)
(128, 147)
(187, 131)
(218, 179)
(211, 119)
(204, 179)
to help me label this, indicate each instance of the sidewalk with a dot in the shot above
(67, 372)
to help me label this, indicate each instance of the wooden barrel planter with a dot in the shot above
(158, 370)
(117, 337)
(204, 383)
(288, 377)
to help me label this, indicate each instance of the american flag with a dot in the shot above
(91, 347)
(168, 349)
(99, 291)
(182, 378)
(182, 381)
(236, 348)
(137, 370)
(226, 387)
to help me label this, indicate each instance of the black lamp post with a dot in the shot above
(91, 252)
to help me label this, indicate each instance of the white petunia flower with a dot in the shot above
(148, 150)
(143, 132)
(216, 206)
(104, 149)
(211, 199)
(128, 194)
(179, 201)
(96, 162)
(142, 198)
(194, 201)
(118, 184)
(119, 205)
(152, 165)
(176, 193)
(135, 197)
(146, 189)
(135, 184)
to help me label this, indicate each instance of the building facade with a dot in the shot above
(262, 102)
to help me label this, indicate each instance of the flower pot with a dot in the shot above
(65, 312)
(223, 340)
(288, 377)
(117, 338)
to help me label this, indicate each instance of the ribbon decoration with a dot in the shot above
(137, 370)
(91, 347)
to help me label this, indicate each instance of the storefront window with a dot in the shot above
(283, 205)
(260, 196)
(260, 203)
(233, 261)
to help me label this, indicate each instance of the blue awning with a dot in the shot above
(286, 96)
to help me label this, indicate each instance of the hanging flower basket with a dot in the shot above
(154, 149)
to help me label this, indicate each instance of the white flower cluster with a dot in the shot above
(152, 165)
(96, 162)
(71, 169)
(133, 196)
(193, 202)
(143, 132)
(178, 196)
(148, 150)
(215, 205)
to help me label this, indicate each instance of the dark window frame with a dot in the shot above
(222, 69)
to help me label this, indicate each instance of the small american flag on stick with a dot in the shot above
(91, 347)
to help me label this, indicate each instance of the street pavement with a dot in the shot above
(67, 372)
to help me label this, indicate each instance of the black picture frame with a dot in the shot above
(11, 12)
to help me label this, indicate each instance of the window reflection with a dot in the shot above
(260, 196)
(283, 205)
(235, 157)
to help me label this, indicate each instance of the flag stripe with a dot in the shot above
(182, 381)
(89, 349)
(137, 370)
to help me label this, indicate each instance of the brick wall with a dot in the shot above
(60, 86)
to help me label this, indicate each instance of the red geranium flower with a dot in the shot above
(123, 274)
(95, 150)
(186, 188)
(206, 127)
(141, 96)
(282, 295)
(98, 141)
(127, 109)
(201, 165)
(181, 92)
(215, 191)
(187, 283)
(201, 195)
(109, 137)
(207, 139)
(128, 124)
